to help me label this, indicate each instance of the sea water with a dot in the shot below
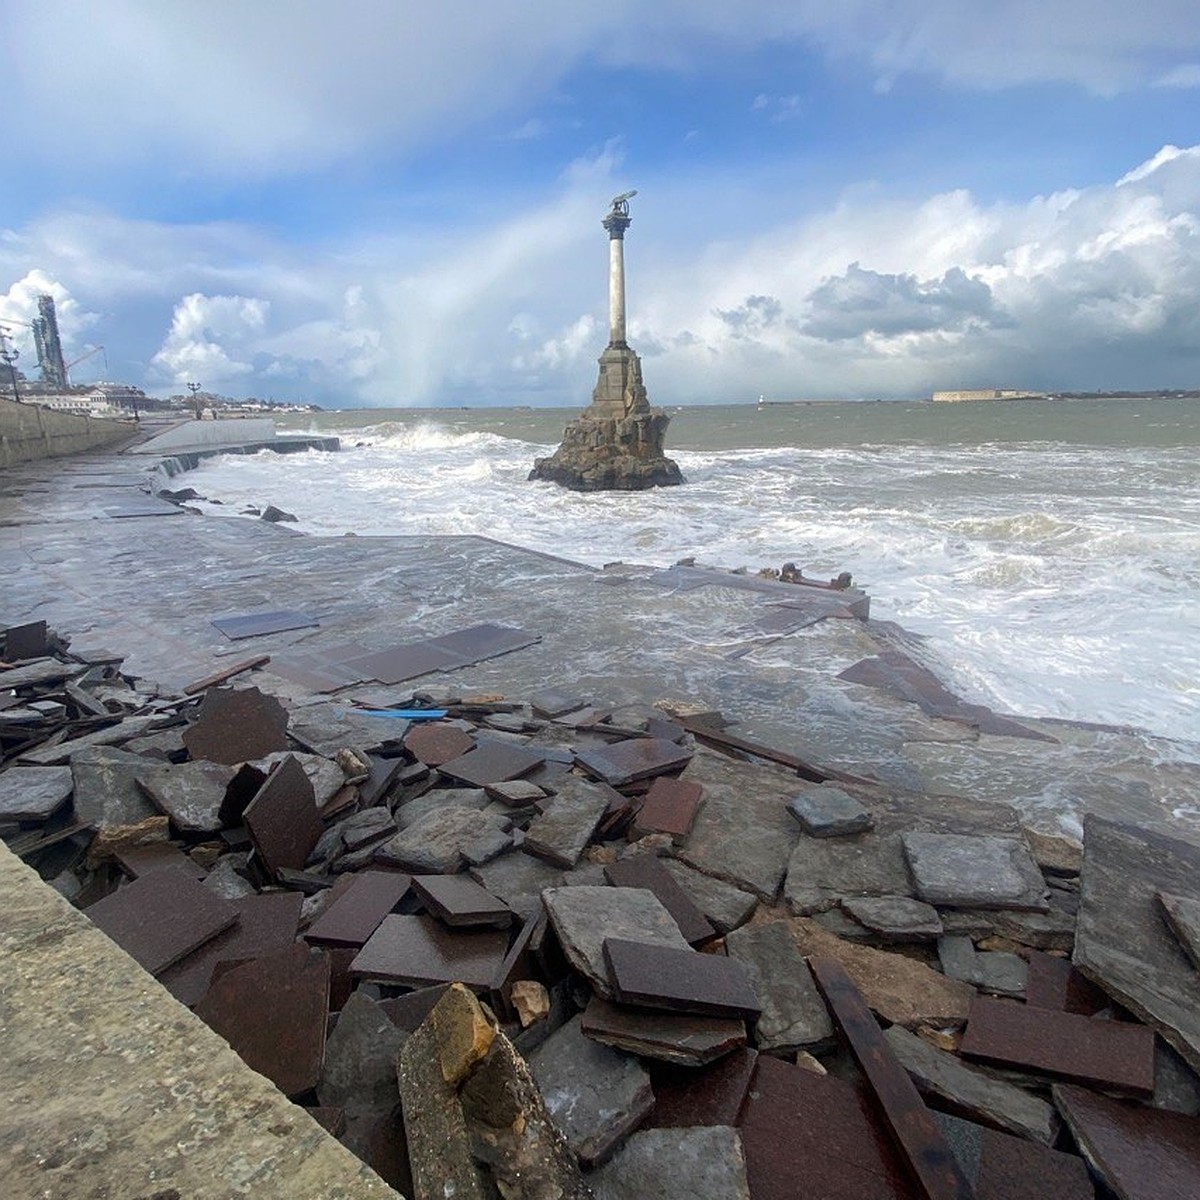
(1048, 550)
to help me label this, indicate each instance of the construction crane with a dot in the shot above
(84, 357)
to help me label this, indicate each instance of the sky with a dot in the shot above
(379, 203)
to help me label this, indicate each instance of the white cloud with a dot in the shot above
(206, 336)
(243, 88)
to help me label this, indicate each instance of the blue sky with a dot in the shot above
(381, 203)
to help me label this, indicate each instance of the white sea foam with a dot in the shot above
(1053, 580)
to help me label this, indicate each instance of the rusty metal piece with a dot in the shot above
(418, 951)
(800, 1126)
(685, 1096)
(634, 758)
(909, 1122)
(670, 807)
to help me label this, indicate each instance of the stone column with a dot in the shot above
(616, 223)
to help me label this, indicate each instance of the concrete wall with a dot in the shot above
(210, 435)
(28, 431)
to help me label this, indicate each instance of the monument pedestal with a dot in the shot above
(616, 443)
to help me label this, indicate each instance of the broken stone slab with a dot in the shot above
(519, 880)
(117, 839)
(648, 871)
(583, 917)
(823, 870)
(596, 1095)
(328, 727)
(190, 793)
(237, 726)
(965, 871)
(997, 1164)
(742, 833)
(63, 752)
(670, 807)
(992, 971)
(675, 1164)
(895, 918)
(1053, 853)
(794, 1016)
(1183, 916)
(512, 1138)
(1122, 943)
(829, 812)
(670, 1037)
(1050, 930)
(326, 777)
(899, 989)
(623, 762)
(33, 793)
(1139, 1153)
(226, 878)
(661, 977)
(516, 793)
(564, 829)
(945, 1077)
(723, 904)
(409, 813)
(446, 840)
(417, 951)
(106, 790)
(358, 1073)
(43, 671)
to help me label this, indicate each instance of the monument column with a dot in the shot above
(616, 443)
(616, 223)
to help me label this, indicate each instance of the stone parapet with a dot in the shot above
(29, 432)
(112, 1088)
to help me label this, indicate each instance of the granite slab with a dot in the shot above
(648, 871)
(418, 951)
(239, 726)
(711, 1095)
(655, 976)
(282, 819)
(272, 1010)
(584, 916)
(34, 793)
(358, 912)
(670, 1037)
(670, 807)
(161, 917)
(1117, 1055)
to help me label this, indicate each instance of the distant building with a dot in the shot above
(48, 345)
(986, 394)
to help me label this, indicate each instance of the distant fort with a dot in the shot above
(987, 394)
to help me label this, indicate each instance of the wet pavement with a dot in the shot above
(86, 546)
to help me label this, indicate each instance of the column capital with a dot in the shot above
(616, 223)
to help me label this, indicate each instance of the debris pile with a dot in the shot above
(546, 948)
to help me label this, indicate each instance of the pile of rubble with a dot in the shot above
(544, 948)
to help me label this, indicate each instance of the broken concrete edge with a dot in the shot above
(156, 1099)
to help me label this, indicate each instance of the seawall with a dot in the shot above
(29, 432)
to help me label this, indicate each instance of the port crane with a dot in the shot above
(88, 353)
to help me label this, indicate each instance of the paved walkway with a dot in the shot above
(85, 545)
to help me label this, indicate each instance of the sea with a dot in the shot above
(1048, 551)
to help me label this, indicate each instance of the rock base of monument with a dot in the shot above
(621, 454)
